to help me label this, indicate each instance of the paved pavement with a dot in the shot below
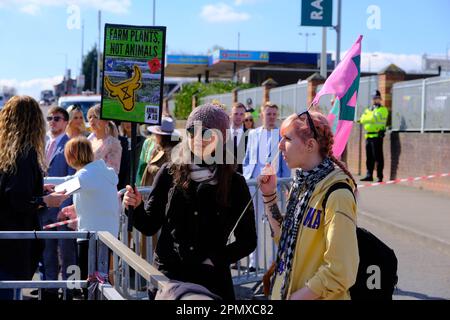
(416, 224)
(423, 271)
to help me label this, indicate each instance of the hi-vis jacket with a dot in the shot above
(374, 121)
(326, 254)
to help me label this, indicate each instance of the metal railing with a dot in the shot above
(421, 105)
(264, 253)
(100, 246)
(31, 235)
(266, 249)
(128, 259)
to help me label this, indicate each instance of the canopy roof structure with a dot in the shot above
(225, 63)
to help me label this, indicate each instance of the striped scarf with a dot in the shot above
(203, 174)
(302, 189)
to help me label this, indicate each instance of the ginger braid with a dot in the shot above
(326, 141)
(325, 136)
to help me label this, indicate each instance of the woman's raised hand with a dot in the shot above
(268, 180)
(132, 197)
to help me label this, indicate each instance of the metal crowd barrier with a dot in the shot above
(241, 271)
(100, 246)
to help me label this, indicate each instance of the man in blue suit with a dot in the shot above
(57, 120)
(262, 148)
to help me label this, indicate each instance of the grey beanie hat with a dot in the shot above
(211, 116)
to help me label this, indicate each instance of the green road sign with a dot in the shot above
(133, 76)
(317, 13)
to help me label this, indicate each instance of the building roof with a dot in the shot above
(221, 63)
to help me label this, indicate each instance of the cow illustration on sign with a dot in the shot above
(125, 91)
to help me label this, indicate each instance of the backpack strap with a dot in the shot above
(334, 187)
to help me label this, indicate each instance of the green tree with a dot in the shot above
(90, 69)
(183, 99)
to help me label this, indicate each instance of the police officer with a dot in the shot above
(374, 121)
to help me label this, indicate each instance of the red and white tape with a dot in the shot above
(411, 179)
(58, 224)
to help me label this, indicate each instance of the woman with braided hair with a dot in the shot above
(317, 247)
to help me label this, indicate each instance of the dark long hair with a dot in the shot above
(181, 174)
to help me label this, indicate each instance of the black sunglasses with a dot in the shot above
(310, 122)
(206, 133)
(248, 120)
(55, 118)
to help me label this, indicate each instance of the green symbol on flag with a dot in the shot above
(348, 112)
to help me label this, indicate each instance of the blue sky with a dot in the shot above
(36, 39)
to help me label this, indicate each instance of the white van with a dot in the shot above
(84, 101)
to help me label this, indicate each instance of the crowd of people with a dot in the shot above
(199, 195)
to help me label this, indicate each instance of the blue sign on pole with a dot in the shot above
(242, 56)
(317, 13)
(186, 59)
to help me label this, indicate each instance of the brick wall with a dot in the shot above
(407, 154)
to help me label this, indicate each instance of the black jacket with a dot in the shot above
(239, 158)
(194, 228)
(18, 212)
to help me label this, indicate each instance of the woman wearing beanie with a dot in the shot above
(317, 246)
(196, 202)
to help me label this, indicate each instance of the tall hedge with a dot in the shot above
(183, 99)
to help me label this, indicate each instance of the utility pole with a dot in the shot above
(99, 51)
(82, 45)
(447, 67)
(238, 56)
(154, 12)
(338, 29)
(323, 56)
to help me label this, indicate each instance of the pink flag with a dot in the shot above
(344, 84)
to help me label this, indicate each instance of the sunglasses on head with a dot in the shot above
(73, 108)
(310, 122)
(55, 118)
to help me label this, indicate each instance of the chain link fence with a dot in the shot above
(225, 99)
(289, 98)
(251, 98)
(421, 105)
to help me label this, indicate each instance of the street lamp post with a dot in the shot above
(447, 67)
(154, 12)
(374, 55)
(306, 34)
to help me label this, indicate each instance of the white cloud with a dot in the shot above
(33, 7)
(31, 87)
(241, 2)
(222, 12)
(30, 9)
(379, 60)
(376, 61)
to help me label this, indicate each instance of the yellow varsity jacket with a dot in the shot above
(326, 255)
